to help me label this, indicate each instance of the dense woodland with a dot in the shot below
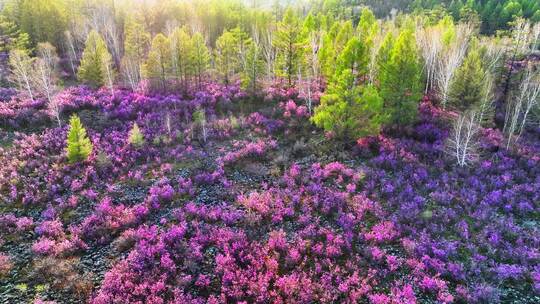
(317, 151)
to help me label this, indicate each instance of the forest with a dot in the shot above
(235, 151)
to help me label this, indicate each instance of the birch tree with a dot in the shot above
(462, 144)
(69, 45)
(21, 71)
(450, 60)
(430, 45)
(45, 77)
(518, 109)
(269, 53)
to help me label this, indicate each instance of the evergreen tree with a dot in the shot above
(44, 20)
(181, 52)
(136, 138)
(254, 68)
(466, 88)
(96, 63)
(354, 58)
(327, 56)
(288, 42)
(12, 38)
(79, 146)
(137, 39)
(200, 57)
(400, 79)
(383, 55)
(345, 34)
(227, 59)
(158, 63)
(136, 43)
(348, 110)
(368, 29)
(367, 26)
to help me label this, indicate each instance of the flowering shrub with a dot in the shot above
(175, 222)
(5, 265)
(316, 260)
(252, 149)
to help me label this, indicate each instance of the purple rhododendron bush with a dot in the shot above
(257, 206)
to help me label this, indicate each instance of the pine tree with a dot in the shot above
(400, 79)
(11, 37)
(368, 29)
(466, 87)
(383, 55)
(79, 146)
(367, 26)
(44, 20)
(227, 52)
(96, 63)
(345, 33)
(136, 138)
(158, 63)
(348, 110)
(136, 43)
(181, 52)
(327, 56)
(288, 42)
(200, 57)
(137, 39)
(254, 67)
(354, 57)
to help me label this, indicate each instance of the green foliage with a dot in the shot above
(448, 30)
(327, 56)
(290, 45)
(79, 146)
(466, 88)
(136, 138)
(43, 20)
(96, 61)
(200, 57)
(345, 34)
(254, 68)
(354, 58)
(181, 49)
(348, 110)
(158, 63)
(12, 38)
(137, 39)
(227, 59)
(493, 14)
(199, 117)
(383, 55)
(400, 79)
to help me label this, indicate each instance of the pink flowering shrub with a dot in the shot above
(176, 222)
(252, 149)
(317, 261)
(5, 265)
